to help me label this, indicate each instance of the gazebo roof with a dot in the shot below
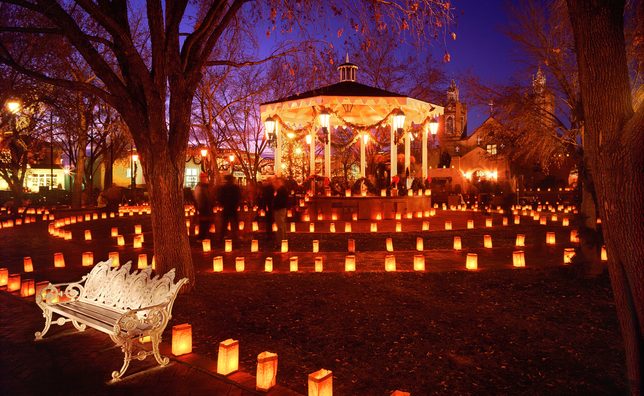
(354, 102)
(348, 102)
(344, 88)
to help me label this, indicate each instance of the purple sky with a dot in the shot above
(478, 46)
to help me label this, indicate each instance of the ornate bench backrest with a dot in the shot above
(117, 287)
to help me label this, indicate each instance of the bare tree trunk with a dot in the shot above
(163, 165)
(171, 244)
(590, 252)
(614, 139)
(16, 189)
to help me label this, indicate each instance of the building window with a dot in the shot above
(449, 125)
(462, 124)
(41, 179)
(491, 149)
(191, 177)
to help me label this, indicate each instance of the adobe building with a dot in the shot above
(459, 161)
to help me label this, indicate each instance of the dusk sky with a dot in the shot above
(479, 46)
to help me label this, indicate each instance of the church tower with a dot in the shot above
(544, 99)
(453, 123)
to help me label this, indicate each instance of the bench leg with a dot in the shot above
(126, 347)
(156, 340)
(47, 314)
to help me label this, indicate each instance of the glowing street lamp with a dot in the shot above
(324, 120)
(269, 126)
(399, 120)
(433, 126)
(13, 106)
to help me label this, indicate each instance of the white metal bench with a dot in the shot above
(124, 305)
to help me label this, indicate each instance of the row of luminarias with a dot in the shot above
(13, 282)
(139, 238)
(518, 260)
(190, 211)
(320, 383)
(27, 287)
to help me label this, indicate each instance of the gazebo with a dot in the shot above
(357, 107)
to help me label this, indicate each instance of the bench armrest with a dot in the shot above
(157, 317)
(50, 294)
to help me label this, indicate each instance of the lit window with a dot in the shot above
(491, 149)
(191, 177)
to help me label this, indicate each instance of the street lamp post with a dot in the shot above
(232, 163)
(51, 156)
(433, 128)
(363, 142)
(135, 158)
(111, 160)
(272, 135)
(324, 121)
(399, 121)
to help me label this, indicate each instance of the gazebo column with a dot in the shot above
(424, 175)
(394, 153)
(278, 151)
(312, 153)
(362, 138)
(327, 155)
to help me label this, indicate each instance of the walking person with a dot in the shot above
(268, 196)
(229, 197)
(204, 198)
(280, 205)
(114, 198)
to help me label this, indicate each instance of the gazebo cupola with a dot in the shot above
(347, 71)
